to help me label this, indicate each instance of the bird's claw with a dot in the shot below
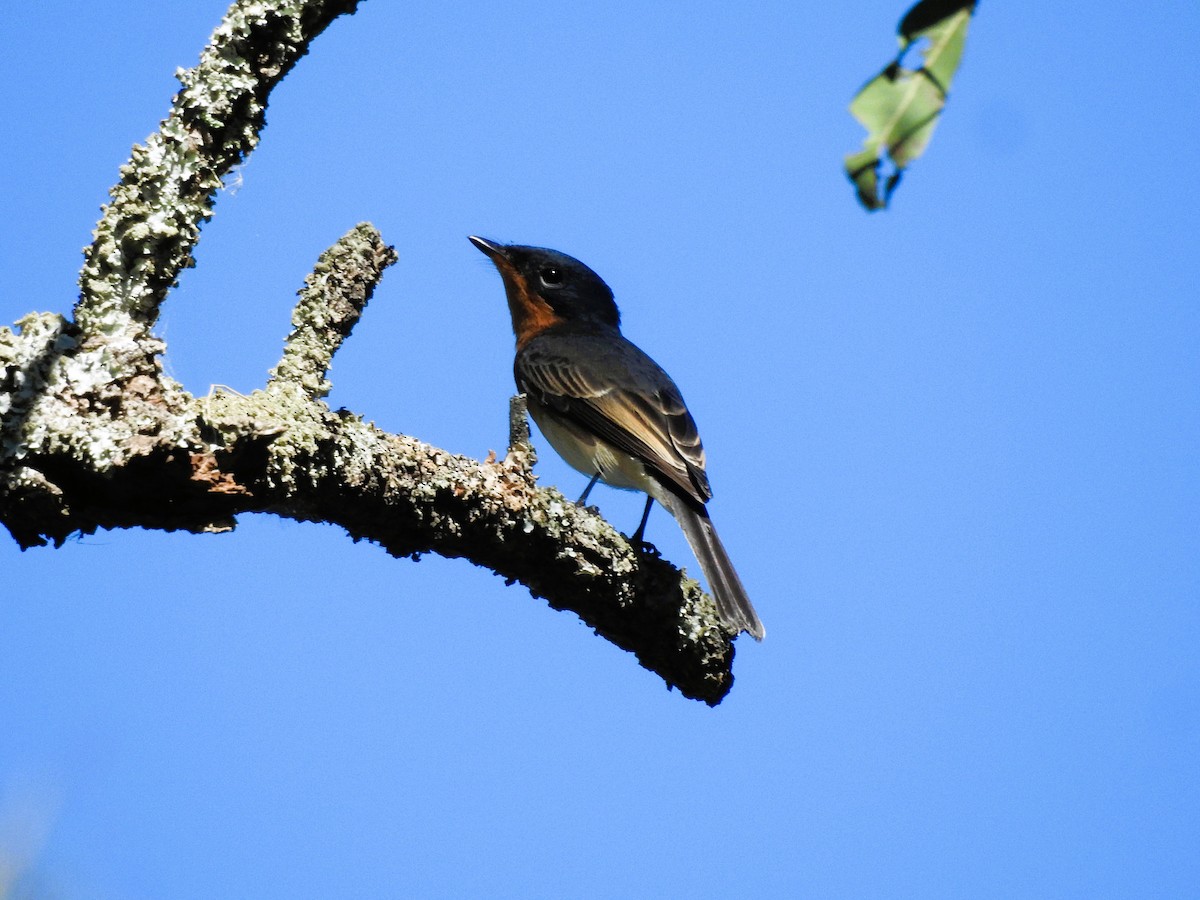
(644, 547)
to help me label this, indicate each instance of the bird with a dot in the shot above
(607, 408)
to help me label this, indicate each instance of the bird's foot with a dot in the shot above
(644, 547)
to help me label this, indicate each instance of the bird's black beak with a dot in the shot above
(491, 248)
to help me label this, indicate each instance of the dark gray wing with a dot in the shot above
(608, 386)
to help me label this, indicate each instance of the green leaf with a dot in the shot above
(900, 106)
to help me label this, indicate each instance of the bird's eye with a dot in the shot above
(551, 276)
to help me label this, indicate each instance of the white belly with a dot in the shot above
(589, 454)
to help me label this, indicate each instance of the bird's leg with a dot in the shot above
(641, 529)
(587, 490)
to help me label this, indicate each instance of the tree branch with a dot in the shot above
(146, 235)
(94, 435)
(332, 299)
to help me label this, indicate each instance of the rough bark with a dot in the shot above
(94, 435)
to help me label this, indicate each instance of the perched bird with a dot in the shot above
(608, 408)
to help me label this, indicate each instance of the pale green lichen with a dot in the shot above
(331, 301)
(27, 359)
(64, 398)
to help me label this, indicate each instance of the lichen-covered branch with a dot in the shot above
(413, 498)
(332, 299)
(94, 435)
(150, 226)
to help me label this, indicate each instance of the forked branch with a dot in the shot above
(94, 435)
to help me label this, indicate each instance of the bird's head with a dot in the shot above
(545, 287)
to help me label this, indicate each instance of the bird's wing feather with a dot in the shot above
(618, 393)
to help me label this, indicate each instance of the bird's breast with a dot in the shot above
(531, 315)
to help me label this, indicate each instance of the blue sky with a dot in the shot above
(953, 445)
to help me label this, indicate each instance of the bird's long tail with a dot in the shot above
(732, 603)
